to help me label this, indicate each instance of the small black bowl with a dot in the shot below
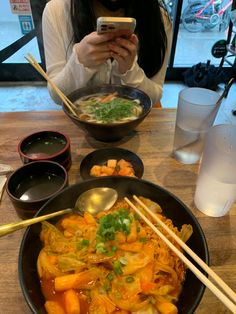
(113, 131)
(100, 157)
(46, 145)
(32, 185)
(173, 208)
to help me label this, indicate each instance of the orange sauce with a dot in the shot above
(47, 286)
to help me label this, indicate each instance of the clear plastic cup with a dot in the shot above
(195, 114)
(216, 184)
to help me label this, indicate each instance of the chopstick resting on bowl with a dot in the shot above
(63, 97)
(188, 250)
(221, 296)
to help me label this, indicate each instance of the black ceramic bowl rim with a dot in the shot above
(32, 235)
(96, 89)
(26, 139)
(114, 151)
(31, 165)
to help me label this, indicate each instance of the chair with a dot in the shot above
(157, 105)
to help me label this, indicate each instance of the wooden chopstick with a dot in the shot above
(32, 60)
(63, 97)
(188, 250)
(222, 297)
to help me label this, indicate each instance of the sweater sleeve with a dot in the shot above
(62, 64)
(136, 77)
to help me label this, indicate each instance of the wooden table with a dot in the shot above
(152, 141)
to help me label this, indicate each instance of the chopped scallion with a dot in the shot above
(117, 268)
(129, 279)
(110, 277)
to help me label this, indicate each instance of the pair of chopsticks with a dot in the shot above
(62, 96)
(230, 301)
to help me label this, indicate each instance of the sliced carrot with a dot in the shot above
(108, 98)
(147, 286)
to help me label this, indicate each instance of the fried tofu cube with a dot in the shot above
(95, 171)
(126, 171)
(123, 163)
(107, 171)
(111, 163)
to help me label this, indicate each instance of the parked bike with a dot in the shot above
(203, 15)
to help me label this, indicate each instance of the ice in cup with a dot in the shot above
(216, 184)
(195, 114)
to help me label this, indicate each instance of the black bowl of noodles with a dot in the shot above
(109, 112)
(173, 208)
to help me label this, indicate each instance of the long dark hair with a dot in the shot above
(150, 29)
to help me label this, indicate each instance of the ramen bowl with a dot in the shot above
(33, 184)
(110, 131)
(100, 157)
(46, 145)
(173, 208)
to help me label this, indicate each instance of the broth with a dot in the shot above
(48, 146)
(108, 108)
(38, 186)
(110, 261)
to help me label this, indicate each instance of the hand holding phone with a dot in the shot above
(114, 24)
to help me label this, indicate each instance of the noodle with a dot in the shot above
(108, 108)
(110, 263)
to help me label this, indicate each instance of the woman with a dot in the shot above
(76, 56)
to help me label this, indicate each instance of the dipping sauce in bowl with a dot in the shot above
(46, 145)
(33, 184)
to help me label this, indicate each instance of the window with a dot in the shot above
(20, 33)
(197, 25)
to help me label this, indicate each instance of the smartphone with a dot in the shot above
(112, 24)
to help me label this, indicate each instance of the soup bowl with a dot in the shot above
(33, 184)
(172, 207)
(46, 145)
(108, 132)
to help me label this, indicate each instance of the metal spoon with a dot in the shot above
(93, 201)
